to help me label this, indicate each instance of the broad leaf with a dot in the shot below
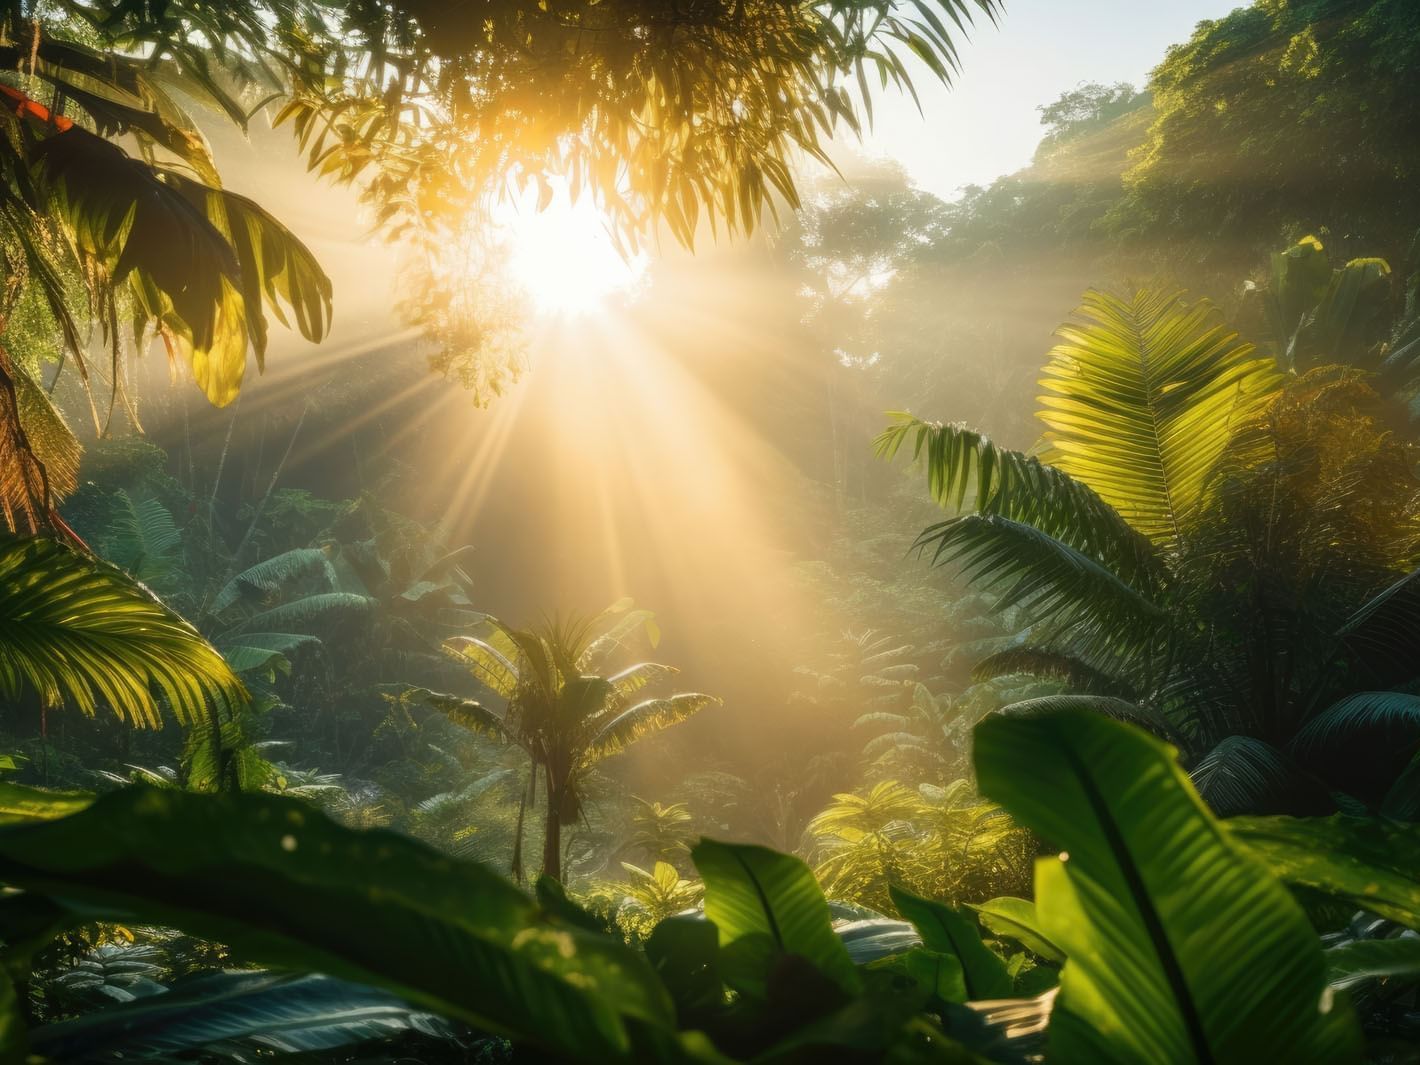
(1016, 919)
(1146, 900)
(1372, 863)
(285, 886)
(759, 898)
(947, 931)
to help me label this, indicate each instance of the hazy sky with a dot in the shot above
(987, 125)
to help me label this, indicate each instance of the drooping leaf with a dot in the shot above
(1362, 960)
(1145, 901)
(75, 629)
(1016, 919)
(1371, 863)
(1361, 743)
(644, 718)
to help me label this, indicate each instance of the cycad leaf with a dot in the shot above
(1146, 899)
(1142, 395)
(75, 629)
(272, 575)
(309, 612)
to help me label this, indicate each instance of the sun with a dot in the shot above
(564, 257)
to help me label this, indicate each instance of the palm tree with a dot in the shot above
(564, 715)
(1205, 546)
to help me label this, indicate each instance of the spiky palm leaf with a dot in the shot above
(966, 469)
(1143, 392)
(1385, 631)
(1054, 582)
(75, 629)
(641, 720)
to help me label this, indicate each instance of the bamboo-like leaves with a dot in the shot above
(79, 630)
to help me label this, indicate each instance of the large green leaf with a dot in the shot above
(1150, 900)
(1372, 863)
(1016, 919)
(947, 931)
(768, 905)
(19, 802)
(1361, 743)
(642, 720)
(78, 630)
(1142, 395)
(286, 886)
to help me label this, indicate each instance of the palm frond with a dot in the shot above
(492, 661)
(1143, 393)
(1361, 743)
(641, 720)
(1385, 631)
(1074, 672)
(1145, 717)
(965, 469)
(1243, 775)
(462, 712)
(1052, 581)
(75, 629)
(276, 269)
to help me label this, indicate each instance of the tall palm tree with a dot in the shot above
(559, 708)
(1205, 546)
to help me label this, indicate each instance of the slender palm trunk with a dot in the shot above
(552, 831)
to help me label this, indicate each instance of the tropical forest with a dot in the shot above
(710, 531)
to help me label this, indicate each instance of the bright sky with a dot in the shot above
(987, 125)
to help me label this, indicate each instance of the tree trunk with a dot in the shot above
(552, 837)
